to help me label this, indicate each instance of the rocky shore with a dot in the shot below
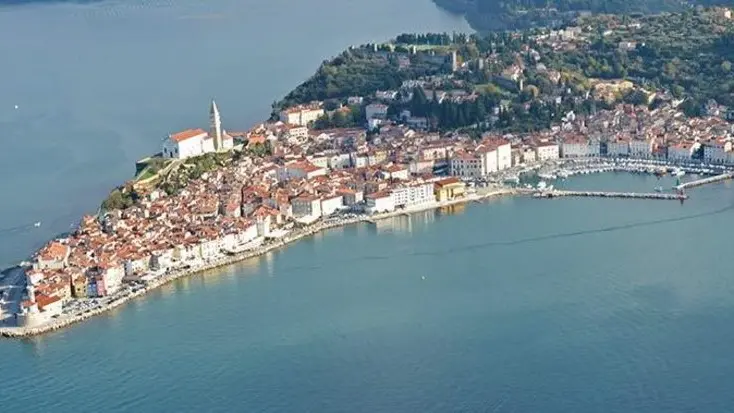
(69, 319)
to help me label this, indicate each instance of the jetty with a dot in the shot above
(605, 194)
(704, 181)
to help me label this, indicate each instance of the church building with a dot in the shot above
(196, 142)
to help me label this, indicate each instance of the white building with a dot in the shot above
(529, 155)
(618, 147)
(413, 195)
(306, 206)
(547, 151)
(680, 152)
(640, 148)
(340, 161)
(379, 202)
(504, 156)
(359, 160)
(575, 148)
(376, 111)
(331, 204)
(395, 172)
(489, 160)
(186, 144)
(717, 151)
(467, 165)
(296, 132)
(319, 161)
(210, 248)
(302, 114)
(113, 278)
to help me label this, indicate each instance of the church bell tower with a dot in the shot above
(215, 125)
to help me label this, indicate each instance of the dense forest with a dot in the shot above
(486, 15)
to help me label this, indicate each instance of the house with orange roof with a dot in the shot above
(54, 256)
(300, 170)
(449, 189)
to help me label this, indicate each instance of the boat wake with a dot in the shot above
(612, 228)
(19, 228)
(522, 241)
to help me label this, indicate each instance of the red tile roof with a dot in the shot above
(187, 134)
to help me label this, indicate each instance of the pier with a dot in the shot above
(704, 181)
(604, 194)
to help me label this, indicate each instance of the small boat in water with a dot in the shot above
(37, 224)
(658, 189)
(677, 172)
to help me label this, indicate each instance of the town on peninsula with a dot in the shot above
(420, 122)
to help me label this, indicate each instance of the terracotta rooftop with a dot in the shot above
(187, 134)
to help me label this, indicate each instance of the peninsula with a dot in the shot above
(420, 122)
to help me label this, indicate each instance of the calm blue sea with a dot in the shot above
(514, 305)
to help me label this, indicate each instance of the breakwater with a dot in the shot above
(70, 319)
(704, 181)
(604, 194)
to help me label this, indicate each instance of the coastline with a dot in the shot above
(68, 320)
(578, 166)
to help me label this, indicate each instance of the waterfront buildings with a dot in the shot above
(379, 202)
(579, 146)
(546, 151)
(449, 189)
